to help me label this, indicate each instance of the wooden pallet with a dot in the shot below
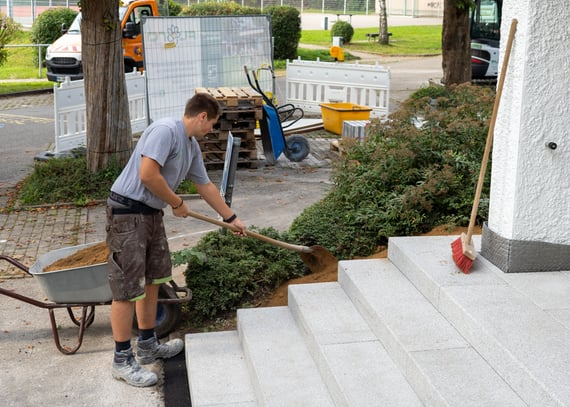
(214, 151)
(242, 108)
(233, 97)
(238, 123)
(219, 134)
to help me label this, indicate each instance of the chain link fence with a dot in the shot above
(26, 11)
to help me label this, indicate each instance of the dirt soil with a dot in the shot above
(330, 272)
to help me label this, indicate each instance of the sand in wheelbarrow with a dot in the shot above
(96, 254)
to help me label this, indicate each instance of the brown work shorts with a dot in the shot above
(139, 253)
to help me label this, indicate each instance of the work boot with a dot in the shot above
(126, 368)
(151, 349)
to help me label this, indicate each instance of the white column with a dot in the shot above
(530, 182)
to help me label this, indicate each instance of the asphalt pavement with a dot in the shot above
(32, 371)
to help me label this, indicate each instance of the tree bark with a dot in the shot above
(456, 43)
(109, 135)
(383, 37)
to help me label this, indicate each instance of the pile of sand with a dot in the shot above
(96, 254)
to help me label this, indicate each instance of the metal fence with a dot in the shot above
(38, 46)
(26, 11)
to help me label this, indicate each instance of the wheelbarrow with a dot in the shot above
(85, 288)
(295, 147)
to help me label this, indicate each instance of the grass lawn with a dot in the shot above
(405, 40)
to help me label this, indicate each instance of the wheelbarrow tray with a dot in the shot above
(87, 284)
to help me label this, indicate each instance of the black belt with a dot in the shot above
(131, 206)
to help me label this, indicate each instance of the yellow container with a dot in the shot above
(335, 113)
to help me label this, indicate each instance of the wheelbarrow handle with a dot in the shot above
(16, 263)
(257, 86)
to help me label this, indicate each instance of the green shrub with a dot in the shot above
(66, 180)
(8, 27)
(47, 27)
(286, 31)
(218, 9)
(234, 270)
(174, 8)
(416, 171)
(343, 29)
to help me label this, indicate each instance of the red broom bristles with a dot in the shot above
(463, 252)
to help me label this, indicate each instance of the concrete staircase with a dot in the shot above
(410, 330)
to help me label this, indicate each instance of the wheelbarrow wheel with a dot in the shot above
(297, 148)
(167, 315)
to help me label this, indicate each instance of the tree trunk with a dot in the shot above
(109, 135)
(383, 37)
(456, 43)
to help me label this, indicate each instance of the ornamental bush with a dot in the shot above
(286, 31)
(414, 172)
(342, 29)
(225, 272)
(47, 27)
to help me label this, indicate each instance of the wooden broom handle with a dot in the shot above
(489, 141)
(258, 236)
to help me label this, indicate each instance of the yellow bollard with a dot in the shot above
(337, 53)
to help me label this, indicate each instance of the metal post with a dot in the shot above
(39, 61)
(229, 172)
(230, 166)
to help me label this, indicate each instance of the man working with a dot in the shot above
(167, 153)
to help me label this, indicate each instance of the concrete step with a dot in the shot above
(351, 359)
(437, 361)
(280, 365)
(217, 371)
(486, 338)
(517, 322)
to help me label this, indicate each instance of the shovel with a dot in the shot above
(317, 258)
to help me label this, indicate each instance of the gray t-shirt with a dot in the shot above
(165, 141)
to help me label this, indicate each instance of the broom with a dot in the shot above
(463, 250)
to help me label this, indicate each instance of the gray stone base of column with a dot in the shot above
(518, 256)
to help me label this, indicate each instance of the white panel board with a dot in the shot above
(183, 53)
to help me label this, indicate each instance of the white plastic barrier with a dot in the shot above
(310, 83)
(71, 118)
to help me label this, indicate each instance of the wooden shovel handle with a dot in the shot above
(489, 140)
(258, 236)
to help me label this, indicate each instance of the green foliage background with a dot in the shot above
(8, 28)
(218, 9)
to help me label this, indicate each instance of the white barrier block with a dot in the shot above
(310, 83)
(70, 111)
